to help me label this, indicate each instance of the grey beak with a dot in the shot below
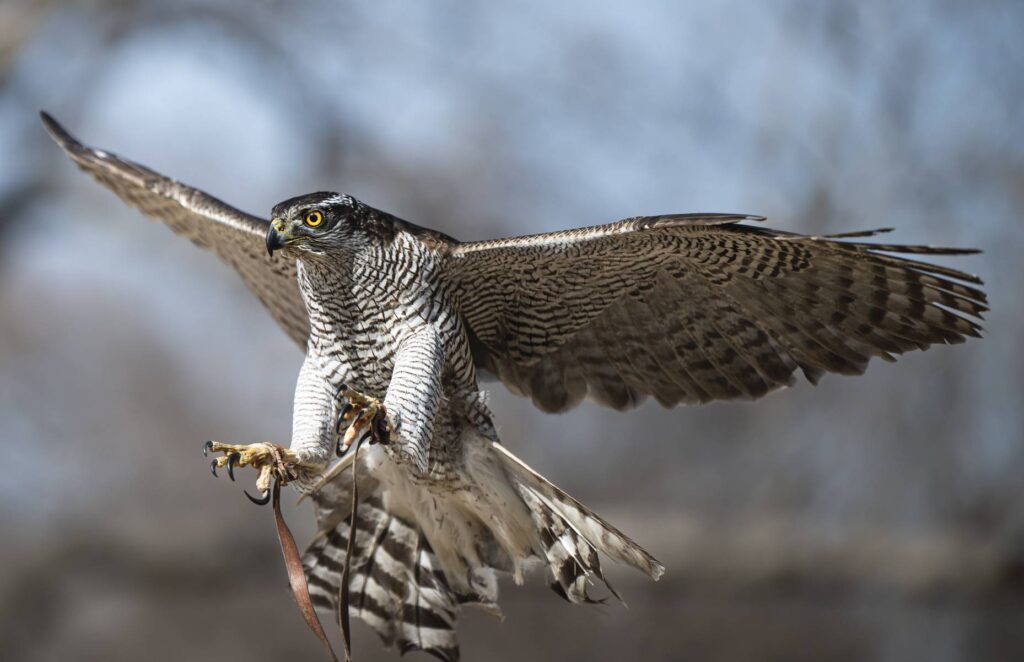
(274, 240)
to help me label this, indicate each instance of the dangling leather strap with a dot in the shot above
(297, 576)
(349, 549)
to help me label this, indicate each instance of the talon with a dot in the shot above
(264, 500)
(270, 460)
(343, 415)
(207, 447)
(383, 431)
(232, 459)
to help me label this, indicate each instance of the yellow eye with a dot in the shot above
(314, 218)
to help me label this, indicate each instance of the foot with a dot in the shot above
(363, 416)
(272, 461)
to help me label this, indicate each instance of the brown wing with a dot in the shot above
(697, 308)
(236, 237)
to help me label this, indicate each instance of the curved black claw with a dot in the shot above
(259, 502)
(341, 416)
(213, 468)
(234, 457)
(207, 447)
(383, 435)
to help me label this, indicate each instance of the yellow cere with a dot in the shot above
(314, 218)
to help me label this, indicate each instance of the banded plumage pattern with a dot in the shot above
(572, 533)
(694, 308)
(684, 308)
(359, 318)
(403, 590)
(397, 585)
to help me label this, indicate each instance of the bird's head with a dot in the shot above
(314, 223)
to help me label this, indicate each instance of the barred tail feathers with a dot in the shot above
(416, 561)
(397, 586)
(571, 535)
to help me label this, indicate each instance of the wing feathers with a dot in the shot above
(236, 237)
(692, 310)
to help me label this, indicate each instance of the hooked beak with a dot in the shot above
(276, 237)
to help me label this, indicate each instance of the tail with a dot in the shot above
(412, 570)
(571, 534)
(397, 586)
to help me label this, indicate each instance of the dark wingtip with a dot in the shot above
(52, 126)
(944, 250)
(58, 132)
(858, 233)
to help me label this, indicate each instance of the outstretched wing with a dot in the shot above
(236, 237)
(696, 308)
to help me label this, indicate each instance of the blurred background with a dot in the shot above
(875, 518)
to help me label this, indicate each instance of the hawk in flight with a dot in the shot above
(398, 322)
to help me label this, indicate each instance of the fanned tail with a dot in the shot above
(417, 560)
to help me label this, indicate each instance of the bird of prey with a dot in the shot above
(399, 321)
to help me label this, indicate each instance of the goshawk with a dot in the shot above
(398, 322)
